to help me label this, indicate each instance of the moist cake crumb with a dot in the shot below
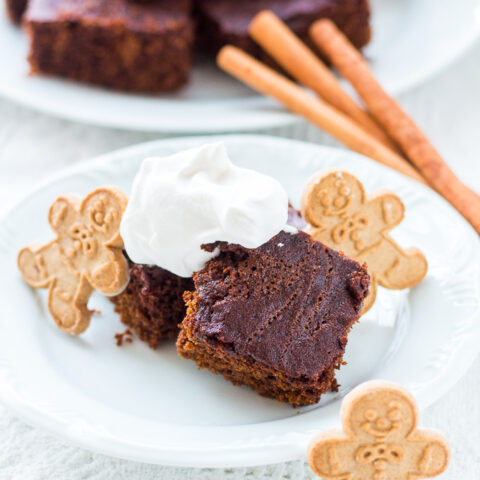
(152, 305)
(125, 336)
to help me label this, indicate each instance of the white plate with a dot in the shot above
(412, 40)
(156, 407)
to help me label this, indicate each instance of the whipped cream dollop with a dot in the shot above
(197, 197)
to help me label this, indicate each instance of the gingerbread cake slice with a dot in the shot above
(126, 45)
(275, 318)
(224, 22)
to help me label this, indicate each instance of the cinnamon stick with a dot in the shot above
(269, 82)
(297, 59)
(401, 128)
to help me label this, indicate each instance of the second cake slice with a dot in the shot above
(125, 45)
(276, 317)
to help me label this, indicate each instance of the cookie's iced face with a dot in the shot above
(380, 440)
(83, 232)
(338, 195)
(351, 222)
(386, 417)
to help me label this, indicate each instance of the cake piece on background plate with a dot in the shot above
(145, 47)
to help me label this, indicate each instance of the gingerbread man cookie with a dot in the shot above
(85, 256)
(343, 217)
(380, 440)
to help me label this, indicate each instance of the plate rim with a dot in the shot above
(291, 445)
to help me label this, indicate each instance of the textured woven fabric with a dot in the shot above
(33, 145)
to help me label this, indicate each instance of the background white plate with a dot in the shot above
(154, 406)
(412, 39)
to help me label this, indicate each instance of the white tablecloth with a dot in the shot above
(33, 145)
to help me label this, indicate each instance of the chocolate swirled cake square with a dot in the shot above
(275, 318)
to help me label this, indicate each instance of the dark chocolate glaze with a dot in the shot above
(288, 304)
